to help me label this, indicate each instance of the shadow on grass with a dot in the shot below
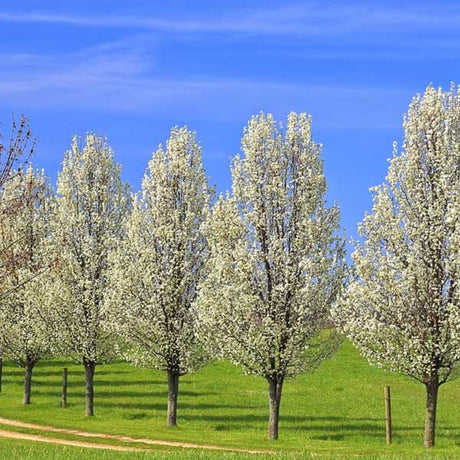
(181, 405)
(77, 380)
(317, 428)
(137, 416)
(41, 372)
(107, 395)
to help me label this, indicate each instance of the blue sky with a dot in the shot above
(130, 70)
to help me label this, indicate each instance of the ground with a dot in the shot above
(336, 412)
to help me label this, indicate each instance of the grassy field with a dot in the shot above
(335, 413)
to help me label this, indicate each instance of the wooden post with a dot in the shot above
(388, 414)
(64, 388)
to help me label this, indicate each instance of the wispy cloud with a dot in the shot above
(122, 75)
(310, 19)
(110, 78)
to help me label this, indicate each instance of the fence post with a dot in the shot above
(388, 414)
(64, 388)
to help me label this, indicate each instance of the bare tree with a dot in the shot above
(19, 149)
(13, 156)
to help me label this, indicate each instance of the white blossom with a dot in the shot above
(402, 307)
(156, 269)
(91, 205)
(275, 258)
(24, 239)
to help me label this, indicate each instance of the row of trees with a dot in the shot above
(142, 274)
(170, 278)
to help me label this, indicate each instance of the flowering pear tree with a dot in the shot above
(24, 238)
(19, 149)
(402, 309)
(275, 262)
(91, 205)
(158, 265)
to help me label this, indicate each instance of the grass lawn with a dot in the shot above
(336, 412)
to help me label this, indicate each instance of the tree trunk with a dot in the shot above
(1, 372)
(431, 404)
(90, 367)
(173, 390)
(274, 389)
(29, 366)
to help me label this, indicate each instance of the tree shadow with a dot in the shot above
(330, 428)
(104, 398)
(138, 406)
(137, 416)
(19, 371)
(80, 379)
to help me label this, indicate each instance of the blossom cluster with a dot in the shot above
(401, 309)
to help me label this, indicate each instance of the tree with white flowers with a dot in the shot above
(24, 238)
(13, 156)
(158, 265)
(402, 309)
(276, 259)
(91, 205)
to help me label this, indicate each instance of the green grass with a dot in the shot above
(28, 450)
(336, 412)
(13, 449)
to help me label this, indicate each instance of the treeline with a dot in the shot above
(172, 276)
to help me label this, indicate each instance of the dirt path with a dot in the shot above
(127, 439)
(67, 442)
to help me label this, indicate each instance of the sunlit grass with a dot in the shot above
(336, 411)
